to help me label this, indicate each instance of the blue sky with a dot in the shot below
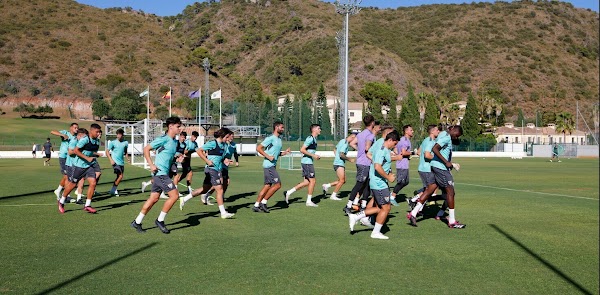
(174, 7)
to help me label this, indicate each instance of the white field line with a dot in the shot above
(527, 191)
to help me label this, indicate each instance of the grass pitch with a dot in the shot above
(532, 228)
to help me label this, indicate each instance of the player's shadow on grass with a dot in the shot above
(122, 193)
(118, 205)
(98, 268)
(283, 205)
(195, 219)
(541, 260)
(234, 198)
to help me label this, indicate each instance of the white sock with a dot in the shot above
(256, 204)
(88, 202)
(416, 210)
(222, 209)
(363, 203)
(187, 198)
(415, 198)
(62, 200)
(79, 196)
(264, 201)
(377, 228)
(140, 218)
(291, 191)
(355, 201)
(361, 215)
(60, 187)
(349, 204)
(333, 195)
(308, 198)
(161, 216)
(327, 186)
(189, 189)
(393, 197)
(451, 218)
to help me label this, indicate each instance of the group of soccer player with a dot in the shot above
(79, 150)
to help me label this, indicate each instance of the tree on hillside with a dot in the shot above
(377, 95)
(126, 105)
(321, 111)
(431, 113)
(305, 121)
(565, 124)
(43, 110)
(392, 115)
(24, 109)
(410, 112)
(161, 112)
(286, 114)
(470, 122)
(520, 119)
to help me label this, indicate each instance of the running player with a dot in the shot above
(115, 151)
(404, 150)
(212, 171)
(86, 152)
(441, 166)
(364, 140)
(165, 147)
(339, 165)
(270, 149)
(186, 166)
(65, 136)
(379, 176)
(48, 149)
(308, 149)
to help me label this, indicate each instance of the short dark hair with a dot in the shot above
(386, 127)
(314, 126)
(73, 124)
(184, 133)
(82, 131)
(457, 127)
(48, 138)
(195, 133)
(430, 127)
(406, 127)
(394, 135)
(95, 126)
(276, 123)
(368, 119)
(377, 123)
(172, 121)
(120, 131)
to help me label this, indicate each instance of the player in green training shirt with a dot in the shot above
(115, 152)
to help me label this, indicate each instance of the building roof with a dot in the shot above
(534, 131)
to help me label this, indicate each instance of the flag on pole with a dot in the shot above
(145, 92)
(167, 95)
(194, 94)
(216, 94)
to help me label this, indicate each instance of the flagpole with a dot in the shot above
(220, 111)
(199, 109)
(170, 95)
(148, 102)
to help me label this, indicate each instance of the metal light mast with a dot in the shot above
(350, 7)
(206, 65)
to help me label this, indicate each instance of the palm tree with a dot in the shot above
(564, 124)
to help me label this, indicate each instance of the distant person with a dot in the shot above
(555, 153)
(116, 150)
(309, 150)
(48, 151)
(33, 151)
(339, 165)
(65, 139)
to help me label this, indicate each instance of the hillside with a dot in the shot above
(537, 56)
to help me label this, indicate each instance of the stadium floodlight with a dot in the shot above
(349, 7)
(206, 65)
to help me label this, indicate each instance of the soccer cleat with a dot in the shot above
(203, 199)
(366, 222)
(285, 196)
(57, 193)
(114, 194)
(457, 225)
(379, 236)
(208, 197)
(263, 207)
(393, 202)
(352, 218)
(347, 210)
(411, 204)
(335, 198)
(79, 202)
(89, 209)
(311, 204)
(61, 208)
(138, 227)
(256, 209)
(163, 195)
(324, 189)
(144, 186)
(161, 225)
(181, 203)
(559, 161)
(227, 215)
(412, 219)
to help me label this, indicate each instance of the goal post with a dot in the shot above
(138, 134)
(291, 161)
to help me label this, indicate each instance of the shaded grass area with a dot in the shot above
(536, 238)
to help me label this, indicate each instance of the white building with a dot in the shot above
(537, 135)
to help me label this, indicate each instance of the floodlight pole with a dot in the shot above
(347, 9)
(206, 65)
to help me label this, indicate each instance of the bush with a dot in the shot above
(146, 76)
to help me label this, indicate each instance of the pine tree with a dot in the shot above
(306, 115)
(432, 112)
(392, 115)
(287, 114)
(294, 124)
(323, 118)
(410, 112)
(520, 119)
(469, 123)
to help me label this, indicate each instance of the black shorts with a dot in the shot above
(78, 173)
(225, 175)
(382, 197)
(118, 169)
(401, 175)
(63, 165)
(271, 176)
(362, 173)
(162, 183)
(186, 168)
(443, 178)
(308, 171)
(212, 177)
(48, 155)
(427, 178)
(96, 167)
(336, 167)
